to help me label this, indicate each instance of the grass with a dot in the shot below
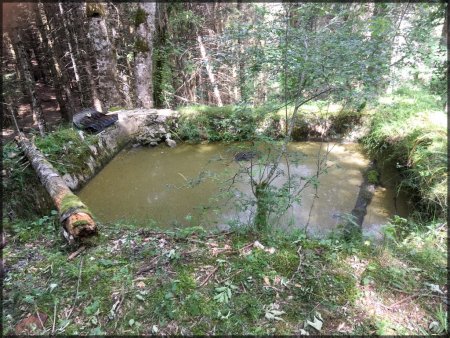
(66, 151)
(409, 129)
(24, 195)
(145, 281)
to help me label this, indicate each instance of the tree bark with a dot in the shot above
(209, 70)
(14, 53)
(241, 63)
(105, 56)
(75, 218)
(71, 53)
(145, 27)
(59, 77)
(86, 59)
(31, 85)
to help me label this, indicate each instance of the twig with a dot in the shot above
(54, 319)
(403, 300)
(209, 276)
(39, 317)
(76, 253)
(231, 276)
(149, 267)
(246, 247)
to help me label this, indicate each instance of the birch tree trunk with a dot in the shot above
(75, 218)
(209, 70)
(105, 57)
(145, 27)
(36, 107)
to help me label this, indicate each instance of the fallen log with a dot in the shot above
(75, 217)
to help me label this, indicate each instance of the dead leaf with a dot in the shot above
(317, 323)
(140, 285)
(277, 280)
(266, 280)
(215, 251)
(258, 245)
(270, 250)
(26, 325)
(76, 253)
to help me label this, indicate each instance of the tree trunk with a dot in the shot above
(86, 59)
(15, 54)
(71, 53)
(145, 26)
(209, 70)
(241, 63)
(31, 85)
(59, 77)
(75, 218)
(105, 56)
(262, 195)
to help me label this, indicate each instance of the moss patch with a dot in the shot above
(372, 176)
(140, 16)
(66, 151)
(94, 10)
(141, 46)
(71, 201)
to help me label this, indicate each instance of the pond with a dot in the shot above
(178, 187)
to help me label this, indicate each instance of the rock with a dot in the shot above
(12, 155)
(93, 150)
(171, 143)
(153, 144)
(91, 164)
(245, 155)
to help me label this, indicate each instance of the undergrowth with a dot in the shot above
(409, 129)
(145, 281)
(66, 150)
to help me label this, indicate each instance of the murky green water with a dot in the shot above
(179, 187)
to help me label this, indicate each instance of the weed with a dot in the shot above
(409, 129)
(66, 151)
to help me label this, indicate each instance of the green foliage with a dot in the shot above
(24, 196)
(372, 176)
(306, 274)
(228, 123)
(410, 130)
(66, 151)
(140, 16)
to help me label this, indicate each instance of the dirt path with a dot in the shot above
(50, 108)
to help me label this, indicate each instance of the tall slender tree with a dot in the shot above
(144, 21)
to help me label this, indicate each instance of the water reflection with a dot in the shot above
(180, 186)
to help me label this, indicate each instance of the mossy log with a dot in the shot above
(75, 217)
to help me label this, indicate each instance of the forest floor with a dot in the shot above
(50, 109)
(138, 280)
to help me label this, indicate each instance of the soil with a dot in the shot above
(50, 109)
